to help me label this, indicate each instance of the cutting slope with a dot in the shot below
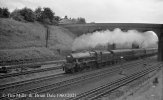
(17, 37)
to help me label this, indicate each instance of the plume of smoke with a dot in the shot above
(120, 38)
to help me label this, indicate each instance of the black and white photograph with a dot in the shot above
(81, 49)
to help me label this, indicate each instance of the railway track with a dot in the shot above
(27, 64)
(62, 84)
(21, 62)
(37, 80)
(16, 84)
(105, 89)
(30, 72)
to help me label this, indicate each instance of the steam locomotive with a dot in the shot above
(76, 62)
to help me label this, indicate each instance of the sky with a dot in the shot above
(99, 11)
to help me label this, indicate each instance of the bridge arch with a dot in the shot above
(80, 29)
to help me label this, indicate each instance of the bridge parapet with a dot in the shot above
(80, 29)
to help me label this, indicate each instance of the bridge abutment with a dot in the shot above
(160, 46)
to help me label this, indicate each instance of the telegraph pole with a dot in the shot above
(47, 34)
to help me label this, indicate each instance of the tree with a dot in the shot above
(66, 17)
(45, 15)
(1, 12)
(4, 13)
(38, 13)
(28, 14)
(48, 14)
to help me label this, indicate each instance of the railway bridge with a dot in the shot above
(80, 29)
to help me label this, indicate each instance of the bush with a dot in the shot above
(57, 18)
(46, 21)
(81, 20)
(54, 22)
(17, 16)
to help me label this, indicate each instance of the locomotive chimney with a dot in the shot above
(111, 46)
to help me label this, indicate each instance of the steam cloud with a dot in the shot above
(118, 37)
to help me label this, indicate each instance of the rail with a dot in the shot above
(69, 82)
(102, 90)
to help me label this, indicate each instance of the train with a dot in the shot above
(78, 61)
